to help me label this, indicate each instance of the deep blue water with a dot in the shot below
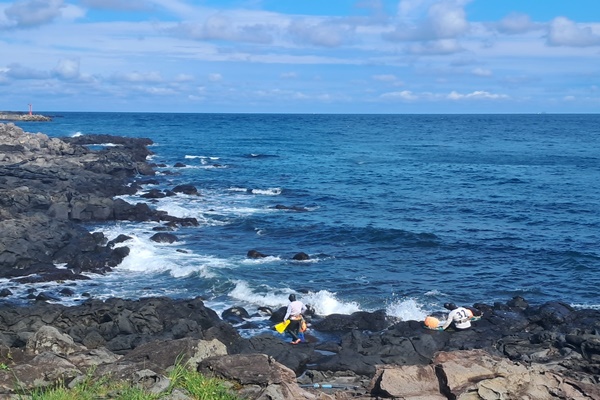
(404, 212)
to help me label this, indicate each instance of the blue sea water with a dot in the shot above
(401, 212)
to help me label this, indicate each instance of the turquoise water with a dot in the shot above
(402, 212)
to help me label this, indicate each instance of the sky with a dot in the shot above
(301, 56)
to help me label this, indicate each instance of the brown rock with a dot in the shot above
(407, 382)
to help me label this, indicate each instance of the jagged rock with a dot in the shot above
(88, 358)
(126, 336)
(362, 320)
(49, 339)
(407, 382)
(44, 370)
(161, 355)
(262, 377)
(477, 373)
(49, 185)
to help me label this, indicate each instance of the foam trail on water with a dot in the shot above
(148, 257)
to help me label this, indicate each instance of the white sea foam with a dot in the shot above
(323, 302)
(199, 207)
(406, 309)
(146, 256)
(272, 298)
(267, 192)
(586, 306)
(202, 157)
(263, 260)
(77, 134)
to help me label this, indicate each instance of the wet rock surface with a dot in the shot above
(50, 186)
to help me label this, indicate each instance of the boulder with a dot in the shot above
(261, 377)
(406, 382)
(49, 339)
(235, 315)
(255, 254)
(164, 237)
(301, 256)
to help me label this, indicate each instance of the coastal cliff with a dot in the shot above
(49, 187)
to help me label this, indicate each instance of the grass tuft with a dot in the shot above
(182, 377)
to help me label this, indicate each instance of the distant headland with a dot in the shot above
(19, 116)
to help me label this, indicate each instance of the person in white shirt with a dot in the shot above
(294, 313)
(459, 317)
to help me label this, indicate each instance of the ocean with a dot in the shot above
(396, 212)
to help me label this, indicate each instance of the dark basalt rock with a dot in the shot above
(255, 254)
(186, 189)
(290, 208)
(301, 256)
(235, 315)
(49, 185)
(164, 237)
(154, 194)
(358, 344)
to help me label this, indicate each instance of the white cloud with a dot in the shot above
(215, 77)
(447, 20)
(407, 7)
(221, 26)
(444, 20)
(478, 94)
(516, 23)
(184, 78)
(406, 95)
(385, 78)
(67, 69)
(328, 33)
(160, 91)
(31, 13)
(117, 5)
(564, 32)
(482, 72)
(445, 46)
(138, 77)
(288, 75)
(18, 71)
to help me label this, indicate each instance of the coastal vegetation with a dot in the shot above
(182, 379)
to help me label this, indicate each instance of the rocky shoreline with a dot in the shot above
(50, 187)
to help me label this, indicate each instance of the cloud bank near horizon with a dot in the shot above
(414, 56)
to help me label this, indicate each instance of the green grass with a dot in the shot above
(196, 385)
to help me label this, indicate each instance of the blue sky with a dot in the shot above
(301, 56)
